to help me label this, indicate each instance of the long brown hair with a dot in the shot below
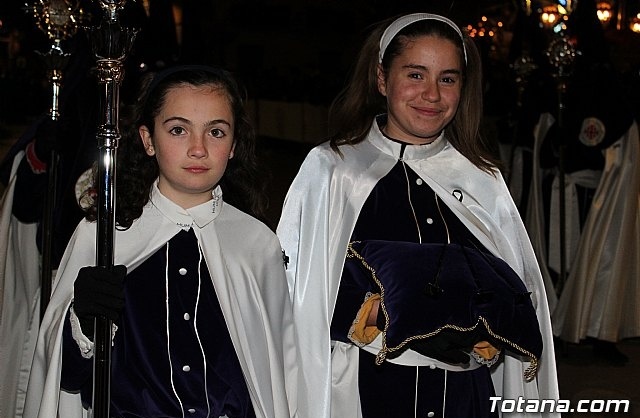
(354, 109)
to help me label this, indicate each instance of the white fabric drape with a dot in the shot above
(600, 298)
(19, 301)
(320, 212)
(245, 261)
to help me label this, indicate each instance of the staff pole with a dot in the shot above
(561, 55)
(111, 43)
(59, 20)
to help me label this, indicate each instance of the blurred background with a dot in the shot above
(294, 55)
(579, 57)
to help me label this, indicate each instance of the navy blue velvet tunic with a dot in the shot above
(390, 389)
(172, 351)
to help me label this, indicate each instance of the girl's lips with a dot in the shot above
(196, 169)
(427, 111)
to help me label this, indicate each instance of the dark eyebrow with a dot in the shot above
(187, 121)
(423, 68)
(218, 121)
(178, 118)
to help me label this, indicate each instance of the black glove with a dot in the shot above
(46, 139)
(98, 292)
(449, 346)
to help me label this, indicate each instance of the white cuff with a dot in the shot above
(84, 343)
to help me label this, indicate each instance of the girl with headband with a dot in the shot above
(405, 172)
(198, 294)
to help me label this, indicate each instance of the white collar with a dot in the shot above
(200, 215)
(411, 152)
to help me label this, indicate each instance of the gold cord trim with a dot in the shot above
(529, 373)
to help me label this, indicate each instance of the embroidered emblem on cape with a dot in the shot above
(592, 132)
(217, 199)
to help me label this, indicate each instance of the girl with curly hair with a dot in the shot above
(197, 296)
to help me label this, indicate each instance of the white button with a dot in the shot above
(186, 368)
(187, 316)
(430, 414)
(182, 271)
(429, 221)
(191, 410)
(432, 366)
(418, 182)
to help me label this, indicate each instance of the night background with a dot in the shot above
(286, 51)
(293, 57)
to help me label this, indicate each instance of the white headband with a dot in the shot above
(404, 21)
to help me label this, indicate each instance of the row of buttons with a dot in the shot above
(186, 368)
(419, 182)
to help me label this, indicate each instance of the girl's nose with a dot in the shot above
(431, 91)
(197, 148)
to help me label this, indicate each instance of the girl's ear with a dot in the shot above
(233, 148)
(382, 82)
(147, 142)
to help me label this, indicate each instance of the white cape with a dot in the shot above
(534, 219)
(320, 212)
(600, 298)
(19, 301)
(245, 261)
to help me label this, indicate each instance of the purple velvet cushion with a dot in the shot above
(432, 291)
